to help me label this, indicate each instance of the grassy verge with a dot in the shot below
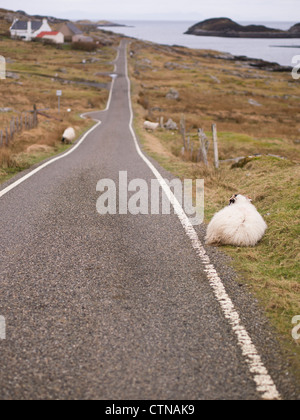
(271, 270)
(12, 164)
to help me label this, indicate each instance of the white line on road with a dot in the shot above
(50, 162)
(264, 383)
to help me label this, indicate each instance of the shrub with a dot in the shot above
(84, 46)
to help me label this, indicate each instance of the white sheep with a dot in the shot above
(151, 126)
(68, 136)
(239, 224)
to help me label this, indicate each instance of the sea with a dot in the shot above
(280, 51)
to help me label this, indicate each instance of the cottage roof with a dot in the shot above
(21, 25)
(42, 34)
(73, 28)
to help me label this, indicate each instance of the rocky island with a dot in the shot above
(224, 27)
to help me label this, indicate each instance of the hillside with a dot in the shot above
(7, 17)
(224, 27)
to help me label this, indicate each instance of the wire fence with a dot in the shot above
(25, 121)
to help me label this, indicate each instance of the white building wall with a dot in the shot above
(58, 39)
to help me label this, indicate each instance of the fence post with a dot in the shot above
(1, 138)
(12, 129)
(216, 149)
(204, 145)
(161, 122)
(182, 130)
(7, 138)
(35, 116)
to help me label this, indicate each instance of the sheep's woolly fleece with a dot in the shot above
(239, 224)
(150, 125)
(69, 135)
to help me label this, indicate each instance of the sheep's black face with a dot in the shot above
(233, 199)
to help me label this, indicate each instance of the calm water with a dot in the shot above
(172, 33)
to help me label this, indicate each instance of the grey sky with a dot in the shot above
(196, 10)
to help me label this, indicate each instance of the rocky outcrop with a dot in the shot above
(295, 29)
(224, 27)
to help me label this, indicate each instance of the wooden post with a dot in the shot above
(182, 130)
(1, 138)
(216, 149)
(35, 117)
(12, 128)
(204, 145)
(199, 155)
(192, 150)
(161, 122)
(7, 138)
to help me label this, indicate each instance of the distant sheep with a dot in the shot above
(151, 126)
(68, 136)
(239, 224)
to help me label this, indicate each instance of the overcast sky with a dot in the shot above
(196, 10)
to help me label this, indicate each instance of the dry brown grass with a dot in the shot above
(6, 159)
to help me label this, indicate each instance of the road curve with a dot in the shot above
(119, 306)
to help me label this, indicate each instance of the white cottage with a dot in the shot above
(28, 30)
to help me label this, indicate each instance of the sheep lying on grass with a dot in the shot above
(150, 126)
(68, 136)
(239, 224)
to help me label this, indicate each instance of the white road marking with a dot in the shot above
(50, 162)
(110, 94)
(264, 383)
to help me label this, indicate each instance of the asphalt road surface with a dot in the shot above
(120, 306)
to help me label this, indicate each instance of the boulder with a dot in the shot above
(173, 94)
(254, 103)
(171, 125)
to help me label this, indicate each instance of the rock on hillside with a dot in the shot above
(295, 29)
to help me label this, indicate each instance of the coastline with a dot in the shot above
(222, 55)
(172, 33)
